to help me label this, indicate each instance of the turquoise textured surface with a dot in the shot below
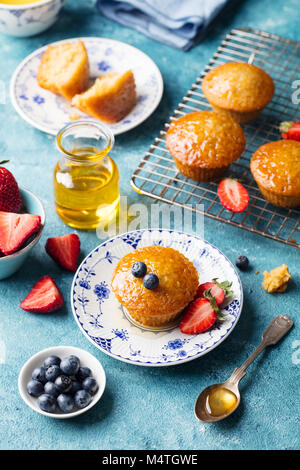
(147, 408)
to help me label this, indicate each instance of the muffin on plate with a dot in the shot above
(203, 144)
(64, 69)
(239, 89)
(111, 97)
(155, 303)
(276, 169)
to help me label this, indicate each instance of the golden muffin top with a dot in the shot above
(178, 281)
(238, 86)
(276, 167)
(205, 139)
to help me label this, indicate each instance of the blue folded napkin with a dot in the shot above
(178, 23)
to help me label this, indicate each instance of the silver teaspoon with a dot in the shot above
(220, 400)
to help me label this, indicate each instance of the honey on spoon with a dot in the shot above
(218, 401)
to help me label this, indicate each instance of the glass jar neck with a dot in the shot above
(85, 142)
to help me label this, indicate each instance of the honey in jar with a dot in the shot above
(220, 401)
(86, 179)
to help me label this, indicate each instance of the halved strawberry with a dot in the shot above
(15, 229)
(44, 297)
(218, 290)
(233, 195)
(64, 250)
(199, 317)
(290, 130)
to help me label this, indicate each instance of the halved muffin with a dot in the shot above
(204, 144)
(177, 287)
(276, 169)
(64, 69)
(111, 97)
(239, 89)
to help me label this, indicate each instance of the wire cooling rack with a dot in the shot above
(158, 177)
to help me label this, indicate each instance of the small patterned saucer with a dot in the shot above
(49, 112)
(102, 320)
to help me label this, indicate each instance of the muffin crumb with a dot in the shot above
(74, 117)
(277, 279)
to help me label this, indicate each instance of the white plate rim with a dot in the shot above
(162, 364)
(42, 128)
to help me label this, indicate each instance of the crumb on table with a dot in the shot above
(74, 117)
(277, 279)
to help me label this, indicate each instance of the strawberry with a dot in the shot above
(200, 316)
(44, 297)
(233, 195)
(218, 290)
(10, 197)
(15, 229)
(64, 250)
(290, 130)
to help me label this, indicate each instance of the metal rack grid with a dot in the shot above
(158, 177)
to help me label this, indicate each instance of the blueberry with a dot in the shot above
(74, 387)
(138, 269)
(63, 383)
(52, 373)
(65, 403)
(83, 373)
(39, 374)
(242, 262)
(51, 361)
(35, 388)
(151, 281)
(82, 398)
(51, 389)
(47, 403)
(90, 385)
(70, 365)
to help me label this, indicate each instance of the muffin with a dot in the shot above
(110, 99)
(239, 89)
(177, 286)
(64, 69)
(204, 143)
(276, 169)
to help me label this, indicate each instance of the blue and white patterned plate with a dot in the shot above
(101, 318)
(49, 112)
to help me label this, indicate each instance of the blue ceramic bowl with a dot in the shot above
(11, 263)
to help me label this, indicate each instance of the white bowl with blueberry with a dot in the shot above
(62, 382)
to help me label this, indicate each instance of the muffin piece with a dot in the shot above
(204, 143)
(111, 97)
(239, 89)
(178, 283)
(277, 279)
(276, 169)
(64, 69)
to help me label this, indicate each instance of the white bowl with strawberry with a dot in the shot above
(22, 219)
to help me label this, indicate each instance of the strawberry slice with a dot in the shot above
(233, 195)
(15, 229)
(199, 317)
(215, 291)
(64, 250)
(290, 130)
(44, 297)
(218, 290)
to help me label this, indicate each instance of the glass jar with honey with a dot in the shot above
(86, 179)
